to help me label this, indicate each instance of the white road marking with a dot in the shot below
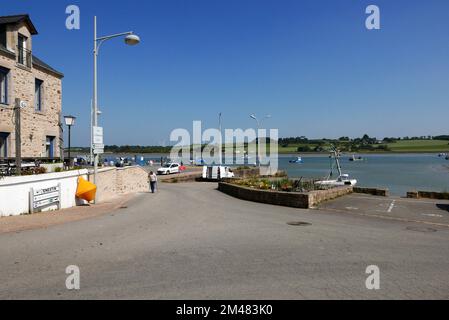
(432, 215)
(390, 208)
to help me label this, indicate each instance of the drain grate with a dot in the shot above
(421, 229)
(299, 223)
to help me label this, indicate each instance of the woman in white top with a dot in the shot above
(152, 177)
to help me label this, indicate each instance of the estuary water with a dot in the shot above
(397, 172)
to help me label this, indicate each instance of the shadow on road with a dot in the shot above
(443, 206)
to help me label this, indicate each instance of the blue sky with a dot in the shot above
(311, 64)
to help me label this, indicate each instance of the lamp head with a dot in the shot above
(69, 120)
(132, 39)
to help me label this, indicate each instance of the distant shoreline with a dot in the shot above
(286, 153)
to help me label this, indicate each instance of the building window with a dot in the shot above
(49, 147)
(38, 95)
(4, 144)
(4, 85)
(24, 55)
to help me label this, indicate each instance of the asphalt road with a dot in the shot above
(189, 241)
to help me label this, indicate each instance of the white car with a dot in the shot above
(169, 168)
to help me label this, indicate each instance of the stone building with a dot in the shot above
(24, 76)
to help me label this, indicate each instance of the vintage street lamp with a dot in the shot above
(69, 122)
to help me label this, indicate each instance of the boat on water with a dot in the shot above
(447, 157)
(297, 160)
(354, 158)
(343, 179)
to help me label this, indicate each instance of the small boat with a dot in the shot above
(354, 158)
(343, 178)
(447, 157)
(297, 160)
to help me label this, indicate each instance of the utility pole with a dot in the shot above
(91, 134)
(17, 108)
(221, 142)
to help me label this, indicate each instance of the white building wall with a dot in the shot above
(15, 191)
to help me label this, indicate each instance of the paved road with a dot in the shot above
(190, 241)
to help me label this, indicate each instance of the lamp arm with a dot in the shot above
(99, 41)
(114, 36)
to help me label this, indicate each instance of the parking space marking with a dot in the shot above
(390, 208)
(432, 215)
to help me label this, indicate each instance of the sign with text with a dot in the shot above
(97, 135)
(40, 198)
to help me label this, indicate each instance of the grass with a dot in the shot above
(419, 146)
(399, 146)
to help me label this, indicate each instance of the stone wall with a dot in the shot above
(318, 196)
(112, 182)
(428, 195)
(36, 125)
(372, 191)
(303, 200)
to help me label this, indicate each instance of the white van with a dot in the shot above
(217, 172)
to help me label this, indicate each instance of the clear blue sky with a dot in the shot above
(311, 64)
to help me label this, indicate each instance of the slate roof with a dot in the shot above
(24, 17)
(19, 18)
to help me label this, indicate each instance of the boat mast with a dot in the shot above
(337, 160)
(336, 154)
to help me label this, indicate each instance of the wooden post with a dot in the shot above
(18, 138)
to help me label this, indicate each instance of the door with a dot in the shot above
(4, 144)
(49, 147)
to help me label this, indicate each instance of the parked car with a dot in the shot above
(169, 168)
(217, 172)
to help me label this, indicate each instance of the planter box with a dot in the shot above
(304, 200)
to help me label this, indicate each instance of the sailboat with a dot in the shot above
(343, 179)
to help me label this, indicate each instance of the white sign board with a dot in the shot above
(40, 198)
(97, 135)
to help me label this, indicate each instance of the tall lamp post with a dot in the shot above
(130, 39)
(258, 121)
(69, 122)
(220, 150)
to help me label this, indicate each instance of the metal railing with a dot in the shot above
(8, 165)
(24, 56)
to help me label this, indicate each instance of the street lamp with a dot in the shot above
(130, 39)
(221, 141)
(69, 122)
(258, 121)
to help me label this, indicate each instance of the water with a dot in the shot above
(397, 172)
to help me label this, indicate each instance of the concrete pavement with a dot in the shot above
(190, 241)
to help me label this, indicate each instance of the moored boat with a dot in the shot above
(343, 179)
(297, 160)
(354, 158)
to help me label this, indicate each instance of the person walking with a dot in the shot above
(152, 177)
